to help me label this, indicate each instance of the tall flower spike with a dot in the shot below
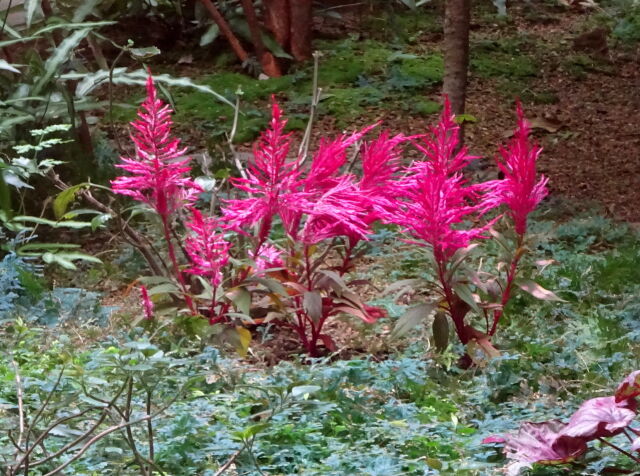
(271, 179)
(520, 189)
(159, 174)
(435, 196)
(147, 304)
(207, 249)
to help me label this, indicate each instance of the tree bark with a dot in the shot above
(301, 26)
(267, 61)
(219, 20)
(277, 19)
(457, 19)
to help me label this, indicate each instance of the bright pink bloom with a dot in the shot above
(147, 304)
(436, 197)
(271, 182)
(206, 247)
(269, 257)
(380, 166)
(331, 201)
(341, 210)
(440, 146)
(160, 176)
(520, 189)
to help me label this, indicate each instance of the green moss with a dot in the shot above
(346, 104)
(420, 72)
(580, 65)
(406, 26)
(504, 58)
(349, 60)
(424, 107)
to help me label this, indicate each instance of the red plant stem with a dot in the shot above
(307, 265)
(174, 262)
(617, 448)
(346, 261)
(511, 275)
(458, 321)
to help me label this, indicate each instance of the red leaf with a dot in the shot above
(629, 387)
(600, 417)
(543, 443)
(328, 342)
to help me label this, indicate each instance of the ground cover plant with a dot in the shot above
(329, 272)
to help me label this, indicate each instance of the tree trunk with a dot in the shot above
(219, 20)
(276, 18)
(267, 61)
(457, 18)
(301, 25)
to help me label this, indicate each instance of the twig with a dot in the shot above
(617, 448)
(228, 463)
(94, 439)
(232, 135)
(303, 151)
(20, 403)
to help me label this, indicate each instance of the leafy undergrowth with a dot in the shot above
(409, 412)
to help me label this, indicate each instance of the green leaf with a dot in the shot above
(141, 54)
(210, 35)
(411, 318)
(312, 305)
(66, 259)
(440, 329)
(241, 298)
(538, 291)
(59, 56)
(64, 198)
(6, 66)
(304, 390)
(463, 291)
(166, 288)
(29, 10)
(76, 225)
(272, 285)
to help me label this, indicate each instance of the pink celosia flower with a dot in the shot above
(436, 198)
(341, 210)
(159, 175)
(271, 180)
(520, 189)
(207, 249)
(440, 147)
(331, 201)
(147, 305)
(269, 257)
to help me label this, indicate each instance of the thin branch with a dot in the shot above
(228, 463)
(20, 403)
(99, 436)
(617, 448)
(316, 92)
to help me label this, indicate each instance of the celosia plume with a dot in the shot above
(159, 175)
(436, 199)
(206, 247)
(321, 199)
(147, 304)
(520, 190)
(271, 182)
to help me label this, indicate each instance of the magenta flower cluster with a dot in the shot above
(318, 201)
